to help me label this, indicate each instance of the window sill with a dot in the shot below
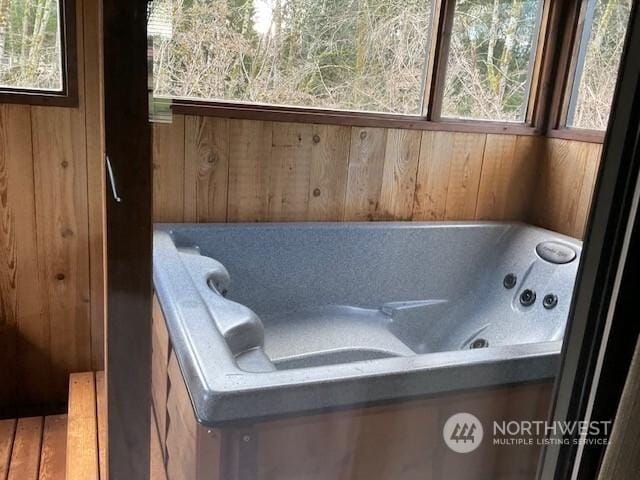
(578, 134)
(337, 117)
(38, 97)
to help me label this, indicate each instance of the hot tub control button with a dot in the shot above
(550, 301)
(556, 252)
(528, 297)
(510, 280)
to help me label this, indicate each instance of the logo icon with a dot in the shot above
(462, 432)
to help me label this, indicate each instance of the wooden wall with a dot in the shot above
(51, 237)
(216, 170)
(565, 180)
(212, 169)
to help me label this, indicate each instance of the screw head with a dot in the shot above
(550, 301)
(510, 281)
(528, 297)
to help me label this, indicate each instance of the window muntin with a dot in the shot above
(490, 59)
(30, 45)
(355, 55)
(603, 36)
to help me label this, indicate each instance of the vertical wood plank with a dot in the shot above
(101, 412)
(329, 169)
(24, 328)
(54, 448)
(82, 435)
(564, 185)
(25, 457)
(289, 172)
(400, 169)
(524, 171)
(250, 145)
(284, 448)
(7, 433)
(159, 361)
(181, 427)
(94, 112)
(168, 170)
(432, 184)
(62, 227)
(496, 177)
(592, 154)
(206, 169)
(366, 165)
(464, 175)
(156, 467)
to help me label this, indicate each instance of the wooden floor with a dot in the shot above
(72, 446)
(33, 448)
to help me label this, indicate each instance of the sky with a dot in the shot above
(263, 15)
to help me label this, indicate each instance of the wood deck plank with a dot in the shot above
(25, 455)
(82, 430)
(54, 448)
(7, 432)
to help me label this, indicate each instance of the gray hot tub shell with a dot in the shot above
(271, 319)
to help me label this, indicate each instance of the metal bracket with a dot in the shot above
(112, 181)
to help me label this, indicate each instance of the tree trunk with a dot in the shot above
(507, 53)
(492, 75)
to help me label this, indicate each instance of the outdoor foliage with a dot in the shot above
(490, 58)
(342, 54)
(30, 44)
(597, 82)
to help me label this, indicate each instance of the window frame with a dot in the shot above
(436, 64)
(437, 94)
(68, 96)
(557, 47)
(574, 19)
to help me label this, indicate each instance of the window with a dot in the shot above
(30, 45)
(38, 52)
(603, 36)
(491, 55)
(357, 55)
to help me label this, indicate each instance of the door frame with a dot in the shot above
(602, 333)
(128, 238)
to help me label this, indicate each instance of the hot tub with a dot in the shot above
(274, 319)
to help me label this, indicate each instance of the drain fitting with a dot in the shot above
(479, 343)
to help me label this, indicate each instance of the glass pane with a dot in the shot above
(490, 59)
(602, 42)
(337, 54)
(30, 54)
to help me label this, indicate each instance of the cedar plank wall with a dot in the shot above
(211, 169)
(215, 170)
(51, 236)
(566, 177)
